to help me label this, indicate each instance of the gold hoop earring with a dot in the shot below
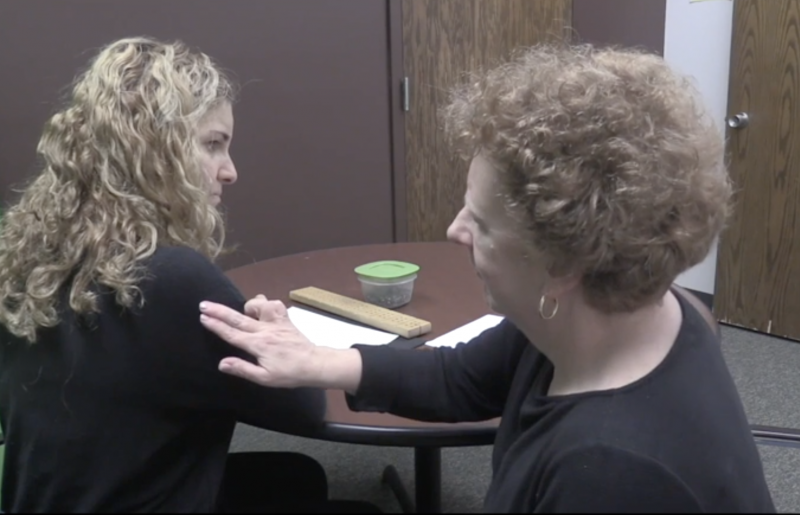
(541, 308)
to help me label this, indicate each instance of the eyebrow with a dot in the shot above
(225, 136)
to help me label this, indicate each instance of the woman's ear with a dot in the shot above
(561, 280)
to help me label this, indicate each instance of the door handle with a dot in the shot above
(738, 121)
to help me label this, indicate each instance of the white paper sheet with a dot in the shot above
(329, 332)
(466, 332)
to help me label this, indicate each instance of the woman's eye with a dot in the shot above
(212, 145)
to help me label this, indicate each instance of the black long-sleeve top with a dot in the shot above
(676, 440)
(126, 411)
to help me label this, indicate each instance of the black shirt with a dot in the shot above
(676, 440)
(126, 411)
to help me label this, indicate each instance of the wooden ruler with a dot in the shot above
(364, 312)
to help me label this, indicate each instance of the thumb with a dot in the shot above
(255, 306)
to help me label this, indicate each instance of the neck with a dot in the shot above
(593, 351)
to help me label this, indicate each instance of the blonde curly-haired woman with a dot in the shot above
(110, 397)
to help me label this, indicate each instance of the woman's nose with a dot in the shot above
(458, 231)
(227, 174)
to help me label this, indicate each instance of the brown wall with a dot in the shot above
(318, 129)
(638, 23)
(313, 135)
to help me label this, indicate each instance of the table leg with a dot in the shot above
(427, 479)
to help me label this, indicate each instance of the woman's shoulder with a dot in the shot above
(176, 257)
(184, 272)
(181, 265)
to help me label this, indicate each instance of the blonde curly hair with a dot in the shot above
(606, 157)
(121, 177)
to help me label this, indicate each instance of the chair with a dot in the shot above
(766, 435)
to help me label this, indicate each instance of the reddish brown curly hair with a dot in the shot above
(609, 160)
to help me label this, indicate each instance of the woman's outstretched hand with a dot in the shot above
(285, 357)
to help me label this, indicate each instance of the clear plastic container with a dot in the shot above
(389, 284)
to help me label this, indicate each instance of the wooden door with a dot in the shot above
(443, 39)
(758, 267)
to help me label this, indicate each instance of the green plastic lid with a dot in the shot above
(387, 270)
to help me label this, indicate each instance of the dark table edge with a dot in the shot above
(396, 436)
(463, 437)
(409, 436)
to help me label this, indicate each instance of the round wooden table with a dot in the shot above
(447, 293)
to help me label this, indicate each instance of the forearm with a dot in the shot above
(336, 369)
(422, 385)
(468, 383)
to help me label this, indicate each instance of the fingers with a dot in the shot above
(240, 368)
(265, 310)
(232, 335)
(228, 316)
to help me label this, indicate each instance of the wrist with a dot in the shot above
(336, 369)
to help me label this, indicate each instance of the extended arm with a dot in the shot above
(469, 382)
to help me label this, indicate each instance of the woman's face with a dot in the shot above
(215, 133)
(513, 275)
